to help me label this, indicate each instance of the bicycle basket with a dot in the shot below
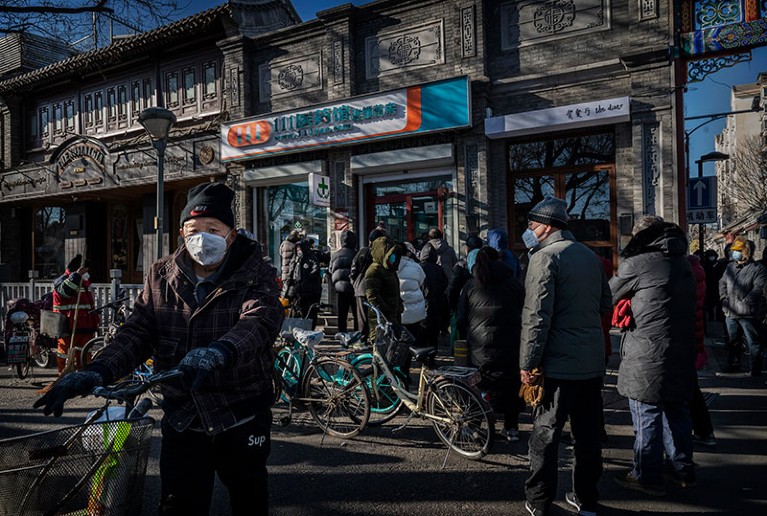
(294, 322)
(397, 340)
(53, 324)
(87, 469)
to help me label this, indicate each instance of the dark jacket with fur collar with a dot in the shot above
(658, 355)
(241, 308)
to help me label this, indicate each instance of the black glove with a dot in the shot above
(70, 386)
(200, 362)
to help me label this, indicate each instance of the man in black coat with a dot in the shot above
(657, 370)
(435, 292)
(340, 270)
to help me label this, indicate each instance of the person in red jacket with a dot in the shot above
(703, 430)
(73, 298)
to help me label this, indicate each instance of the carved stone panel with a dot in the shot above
(338, 61)
(468, 31)
(527, 22)
(648, 9)
(290, 76)
(405, 49)
(651, 165)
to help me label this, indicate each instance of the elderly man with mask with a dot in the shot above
(566, 292)
(212, 310)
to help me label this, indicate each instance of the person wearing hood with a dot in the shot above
(446, 257)
(498, 239)
(73, 298)
(435, 291)
(741, 290)
(212, 310)
(382, 283)
(490, 315)
(340, 270)
(461, 272)
(657, 370)
(305, 280)
(360, 264)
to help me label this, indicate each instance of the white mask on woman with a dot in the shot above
(206, 248)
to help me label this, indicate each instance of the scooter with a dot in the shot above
(24, 344)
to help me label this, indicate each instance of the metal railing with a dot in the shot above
(103, 293)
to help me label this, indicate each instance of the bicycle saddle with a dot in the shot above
(423, 354)
(348, 338)
(308, 338)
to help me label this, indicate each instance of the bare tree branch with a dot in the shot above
(99, 7)
(744, 187)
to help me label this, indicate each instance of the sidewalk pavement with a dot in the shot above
(732, 477)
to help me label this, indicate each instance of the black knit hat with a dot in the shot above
(375, 234)
(473, 242)
(550, 211)
(209, 200)
(75, 263)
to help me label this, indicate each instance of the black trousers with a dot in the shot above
(189, 459)
(701, 419)
(581, 400)
(306, 302)
(362, 316)
(346, 303)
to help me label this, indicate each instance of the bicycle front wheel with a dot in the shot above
(22, 370)
(336, 396)
(384, 402)
(91, 350)
(472, 425)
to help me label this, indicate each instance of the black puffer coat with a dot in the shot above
(491, 318)
(658, 355)
(341, 263)
(434, 290)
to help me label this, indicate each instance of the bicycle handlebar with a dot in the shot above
(132, 391)
(379, 315)
(114, 304)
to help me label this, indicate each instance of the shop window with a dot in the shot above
(58, 119)
(49, 241)
(89, 120)
(69, 115)
(43, 122)
(171, 89)
(111, 105)
(148, 93)
(189, 94)
(578, 169)
(209, 75)
(98, 107)
(289, 208)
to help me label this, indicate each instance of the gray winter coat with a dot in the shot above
(741, 290)
(566, 292)
(658, 354)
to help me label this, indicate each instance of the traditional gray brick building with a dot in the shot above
(459, 114)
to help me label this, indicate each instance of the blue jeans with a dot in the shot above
(750, 330)
(659, 427)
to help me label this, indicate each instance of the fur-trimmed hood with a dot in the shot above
(667, 238)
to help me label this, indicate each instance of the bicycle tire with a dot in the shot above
(384, 402)
(336, 396)
(287, 366)
(44, 359)
(472, 429)
(90, 350)
(22, 369)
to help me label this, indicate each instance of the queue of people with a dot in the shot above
(212, 309)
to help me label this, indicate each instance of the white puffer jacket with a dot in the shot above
(411, 278)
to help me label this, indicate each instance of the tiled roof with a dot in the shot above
(118, 51)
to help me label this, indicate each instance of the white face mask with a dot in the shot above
(529, 238)
(86, 276)
(206, 248)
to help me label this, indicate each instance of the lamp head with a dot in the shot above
(157, 122)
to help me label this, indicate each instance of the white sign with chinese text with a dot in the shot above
(319, 190)
(573, 116)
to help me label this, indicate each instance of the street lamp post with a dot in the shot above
(711, 156)
(157, 123)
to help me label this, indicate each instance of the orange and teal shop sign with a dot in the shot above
(423, 108)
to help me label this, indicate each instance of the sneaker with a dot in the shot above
(532, 510)
(512, 435)
(708, 440)
(572, 499)
(629, 481)
(679, 480)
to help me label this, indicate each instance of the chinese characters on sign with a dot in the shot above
(707, 216)
(585, 112)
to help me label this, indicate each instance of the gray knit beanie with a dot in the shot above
(550, 211)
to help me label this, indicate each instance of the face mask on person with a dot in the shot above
(529, 238)
(737, 255)
(712, 258)
(392, 259)
(206, 248)
(86, 276)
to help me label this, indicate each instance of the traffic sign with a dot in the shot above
(701, 193)
(701, 200)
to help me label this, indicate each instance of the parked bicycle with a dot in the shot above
(446, 396)
(94, 468)
(332, 390)
(120, 311)
(24, 346)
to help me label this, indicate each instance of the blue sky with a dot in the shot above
(712, 95)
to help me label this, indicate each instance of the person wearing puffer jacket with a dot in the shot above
(340, 270)
(741, 290)
(435, 291)
(446, 257)
(411, 281)
(381, 282)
